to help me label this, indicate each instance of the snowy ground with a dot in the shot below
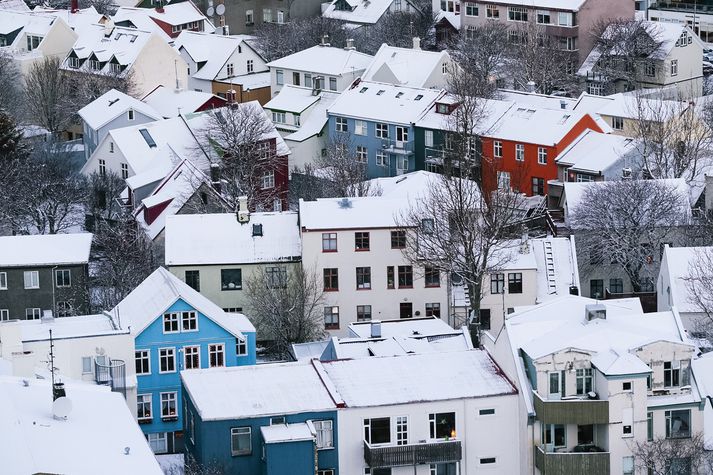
(171, 464)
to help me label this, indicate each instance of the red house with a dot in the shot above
(519, 150)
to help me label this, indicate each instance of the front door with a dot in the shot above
(406, 310)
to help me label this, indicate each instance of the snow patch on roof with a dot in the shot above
(45, 249)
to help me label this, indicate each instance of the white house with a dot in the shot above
(86, 348)
(412, 67)
(70, 434)
(365, 13)
(597, 377)
(320, 67)
(167, 20)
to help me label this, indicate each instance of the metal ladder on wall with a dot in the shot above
(550, 267)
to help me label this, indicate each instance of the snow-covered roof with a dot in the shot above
(33, 441)
(542, 101)
(107, 42)
(362, 12)
(231, 242)
(212, 50)
(30, 23)
(351, 213)
(384, 102)
(566, 5)
(452, 18)
(679, 261)
(532, 125)
(316, 118)
(405, 66)
(409, 185)
(276, 433)
(703, 368)
(173, 14)
(632, 106)
(353, 347)
(249, 82)
(162, 289)
(489, 113)
(79, 20)
(308, 350)
(110, 105)
(426, 326)
(275, 389)
(594, 152)
(172, 102)
(14, 5)
(557, 268)
(293, 99)
(65, 327)
(326, 60)
(45, 249)
(367, 382)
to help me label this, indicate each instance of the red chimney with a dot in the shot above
(75, 6)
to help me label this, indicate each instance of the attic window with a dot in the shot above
(419, 97)
(257, 230)
(441, 108)
(147, 137)
(380, 92)
(399, 94)
(363, 90)
(133, 38)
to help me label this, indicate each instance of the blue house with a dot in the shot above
(262, 420)
(376, 121)
(175, 328)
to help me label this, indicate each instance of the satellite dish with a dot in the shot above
(220, 9)
(210, 11)
(61, 407)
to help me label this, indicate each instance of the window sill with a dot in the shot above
(331, 290)
(405, 287)
(365, 288)
(145, 421)
(325, 448)
(241, 454)
(362, 250)
(433, 286)
(329, 250)
(169, 418)
(231, 290)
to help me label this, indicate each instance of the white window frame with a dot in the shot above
(62, 271)
(520, 152)
(3, 280)
(674, 67)
(173, 317)
(4, 314)
(322, 428)
(382, 130)
(381, 158)
(34, 279)
(168, 357)
(279, 77)
(147, 356)
(362, 154)
(542, 155)
(332, 84)
(102, 167)
(188, 316)
(236, 431)
(428, 138)
(216, 349)
(158, 438)
(471, 9)
(498, 149)
(191, 349)
(170, 396)
(241, 347)
(35, 314)
(268, 180)
(87, 365)
(341, 125)
(401, 430)
(360, 127)
(148, 403)
(617, 123)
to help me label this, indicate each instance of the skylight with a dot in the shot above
(380, 92)
(399, 94)
(147, 137)
(419, 97)
(363, 90)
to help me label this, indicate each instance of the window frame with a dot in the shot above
(363, 278)
(173, 317)
(330, 279)
(146, 357)
(225, 282)
(148, 403)
(216, 349)
(433, 426)
(542, 155)
(398, 237)
(362, 241)
(3, 280)
(428, 276)
(405, 271)
(237, 432)
(329, 311)
(186, 356)
(362, 311)
(498, 279)
(515, 282)
(169, 399)
(519, 152)
(328, 238)
(171, 359)
(241, 347)
(35, 314)
(34, 279)
(319, 427)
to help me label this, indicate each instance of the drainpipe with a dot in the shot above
(54, 303)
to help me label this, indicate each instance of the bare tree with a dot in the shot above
(105, 7)
(242, 141)
(626, 222)
(286, 306)
(46, 94)
(667, 456)
(11, 94)
(104, 204)
(276, 41)
(699, 283)
(341, 168)
(13, 154)
(397, 29)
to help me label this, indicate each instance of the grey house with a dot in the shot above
(110, 111)
(44, 272)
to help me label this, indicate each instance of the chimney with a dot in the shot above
(325, 41)
(243, 213)
(215, 177)
(531, 86)
(416, 42)
(376, 328)
(350, 44)
(563, 104)
(74, 6)
(595, 311)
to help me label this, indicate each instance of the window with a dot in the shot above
(362, 155)
(216, 355)
(332, 84)
(674, 67)
(276, 277)
(3, 280)
(360, 127)
(268, 180)
(329, 242)
(191, 357)
(596, 288)
(143, 362)
(377, 431)
(497, 283)
(266, 15)
(328, 471)
(398, 239)
(433, 310)
(63, 278)
(538, 186)
(158, 442)
(678, 424)
(341, 124)
(279, 77)
(331, 318)
(143, 407)
(486, 412)
(278, 117)
(382, 131)
(432, 276)
(277, 420)
(72, 61)
(649, 426)
(542, 155)
(554, 434)
(585, 381)
(485, 318)
(363, 313)
(363, 278)
(361, 241)
(87, 367)
(497, 149)
(170, 323)
(296, 78)
(231, 279)
(555, 380)
(401, 134)
(102, 167)
(616, 286)
(671, 373)
(515, 282)
(402, 430)
(427, 225)
(626, 386)
(405, 310)
(650, 69)
(428, 138)
(543, 17)
(595, 89)
(471, 9)
(492, 11)
(32, 279)
(519, 152)
(405, 277)
(33, 42)
(230, 69)
(241, 347)
(308, 80)
(442, 425)
(4, 314)
(390, 277)
(517, 14)
(33, 313)
(448, 468)
(331, 279)
(565, 19)
(324, 430)
(168, 405)
(241, 441)
(193, 279)
(167, 360)
(504, 180)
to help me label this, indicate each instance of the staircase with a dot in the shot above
(550, 268)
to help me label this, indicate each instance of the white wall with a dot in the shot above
(494, 302)
(158, 64)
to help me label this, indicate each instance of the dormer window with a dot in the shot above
(33, 42)
(130, 114)
(442, 108)
(115, 68)
(73, 62)
(95, 65)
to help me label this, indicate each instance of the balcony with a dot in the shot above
(397, 146)
(412, 454)
(567, 463)
(571, 411)
(111, 373)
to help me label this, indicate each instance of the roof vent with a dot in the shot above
(563, 104)
(257, 230)
(595, 311)
(345, 203)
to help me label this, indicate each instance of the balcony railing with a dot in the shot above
(568, 463)
(412, 454)
(397, 146)
(111, 373)
(571, 411)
